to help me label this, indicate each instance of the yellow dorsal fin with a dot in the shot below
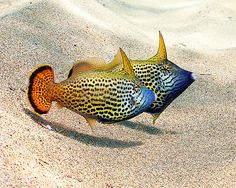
(127, 67)
(161, 53)
(87, 65)
(116, 61)
(162, 47)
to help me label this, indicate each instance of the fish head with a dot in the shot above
(171, 82)
(164, 77)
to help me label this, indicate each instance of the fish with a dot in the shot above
(166, 79)
(97, 95)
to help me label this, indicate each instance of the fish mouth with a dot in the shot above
(181, 82)
(175, 85)
(194, 76)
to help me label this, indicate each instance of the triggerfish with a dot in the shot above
(102, 96)
(164, 78)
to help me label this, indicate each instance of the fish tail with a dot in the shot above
(39, 94)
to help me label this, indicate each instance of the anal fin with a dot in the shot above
(155, 117)
(91, 121)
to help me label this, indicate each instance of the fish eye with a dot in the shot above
(137, 85)
(166, 67)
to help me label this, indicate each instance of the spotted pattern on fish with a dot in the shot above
(150, 75)
(110, 99)
(153, 76)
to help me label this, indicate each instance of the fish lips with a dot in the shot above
(184, 80)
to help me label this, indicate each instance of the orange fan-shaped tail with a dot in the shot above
(41, 82)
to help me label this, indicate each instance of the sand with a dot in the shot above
(192, 144)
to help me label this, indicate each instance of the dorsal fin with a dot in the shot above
(127, 67)
(87, 65)
(116, 61)
(161, 53)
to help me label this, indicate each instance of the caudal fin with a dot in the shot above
(40, 86)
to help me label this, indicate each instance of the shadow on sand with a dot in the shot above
(81, 137)
(145, 128)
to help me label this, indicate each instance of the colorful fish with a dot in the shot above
(102, 96)
(164, 78)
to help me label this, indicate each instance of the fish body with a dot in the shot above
(163, 77)
(102, 96)
(109, 97)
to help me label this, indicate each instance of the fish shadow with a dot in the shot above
(81, 137)
(145, 128)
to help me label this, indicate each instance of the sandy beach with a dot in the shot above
(192, 144)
